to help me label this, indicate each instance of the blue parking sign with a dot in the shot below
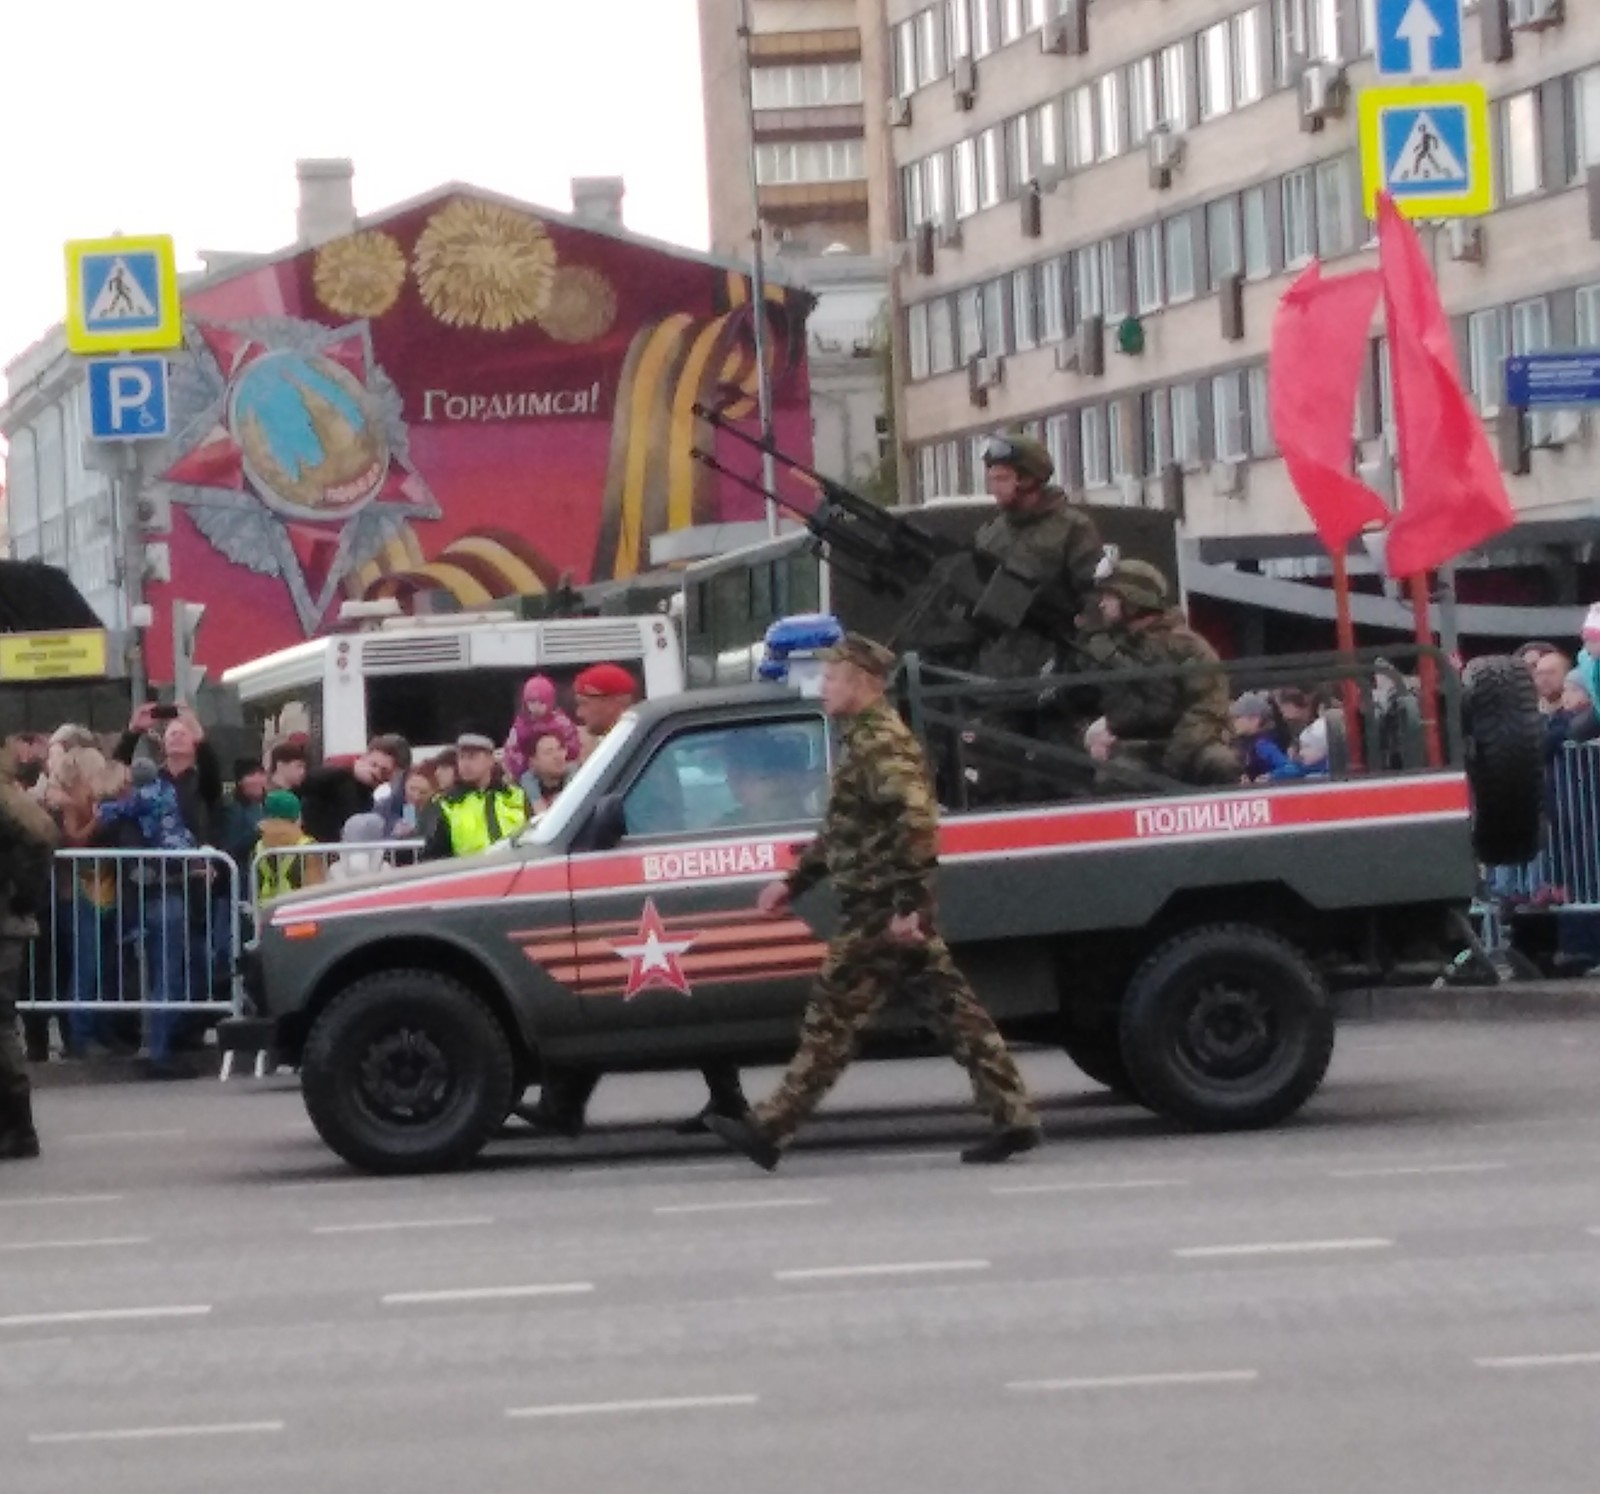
(128, 399)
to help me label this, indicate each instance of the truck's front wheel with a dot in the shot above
(1227, 1027)
(407, 1071)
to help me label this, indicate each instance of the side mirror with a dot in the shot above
(605, 827)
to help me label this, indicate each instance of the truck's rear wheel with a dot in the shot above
(407, 1071)
(1226, 1027)
(1098, 1053)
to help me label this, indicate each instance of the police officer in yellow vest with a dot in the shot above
(483, 808)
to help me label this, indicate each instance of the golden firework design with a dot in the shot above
(582, 305)
(361, 275)
(482, 265)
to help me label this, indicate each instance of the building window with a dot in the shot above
(1530, 333)
(1227, 417)
(1080, 126)
(1185, 407)
(1486, 358)
(1052, 300)
(969, 325)
(1109, 90)
(1222, 239)
(1586, 99)
(982, 27)
(1322, 17)
(1088, 295)
(1020, 169)
(936, 186)
(1289, 48)
(1336, 208)
(1299, 219)
(1011, 21)
(1588, 313)
(1047, 136)
(1120, 440)
(1257, 235)
(1147, 268)
(1249, 55)
(1260, 403)
(1367, 26)
(1114, 278)
(913, 201)
(941, 336)
(1058, 440)
(808, 87)
(1385, 389)
(917, 339)
(964, 168)
(958, 28)
(791, 161)
(1175, 112)
(1216, 82)
(1025, 309)
(991, 169)
(1092, 439)
(925, 473)
(930, 45)
(1179, 236)
(1520, 174)
(994, 317)
(1157, 432)
(1143, 107)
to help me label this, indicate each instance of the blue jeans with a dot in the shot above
(96, 970)
(163, 934)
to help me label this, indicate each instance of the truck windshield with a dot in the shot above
(575, 795)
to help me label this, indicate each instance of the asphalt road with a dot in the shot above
(1400, 1292)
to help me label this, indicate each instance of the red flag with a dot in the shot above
(1454, 497)
(1319, 339)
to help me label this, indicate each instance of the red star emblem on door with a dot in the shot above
(654, 960)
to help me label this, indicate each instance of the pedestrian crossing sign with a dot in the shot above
(122, 296)
(1428, 148)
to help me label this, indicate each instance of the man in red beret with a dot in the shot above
(603, 693)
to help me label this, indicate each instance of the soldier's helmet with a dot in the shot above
(1024, 455)
(1141, 585)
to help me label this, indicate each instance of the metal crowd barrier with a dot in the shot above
(278, 870)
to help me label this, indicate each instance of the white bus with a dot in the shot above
(428, 679)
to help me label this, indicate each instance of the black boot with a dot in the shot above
(726, 1099)
(1003, 1145)
(744, 1135)
(18, 1139)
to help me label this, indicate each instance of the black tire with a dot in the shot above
(1504, 739)
(1227, 1027)
(1098, 1053)
(407, 1071)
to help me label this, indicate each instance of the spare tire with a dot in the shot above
(1503, 735)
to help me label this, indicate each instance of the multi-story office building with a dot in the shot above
(1099, 204)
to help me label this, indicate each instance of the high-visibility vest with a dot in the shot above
(278, 874)
(477, 818)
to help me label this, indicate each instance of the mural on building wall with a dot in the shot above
(465, 398)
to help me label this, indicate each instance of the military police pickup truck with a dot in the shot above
(1180, 945)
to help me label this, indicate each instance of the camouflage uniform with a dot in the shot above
(1175, 724)
(27, 837)
(879, 845)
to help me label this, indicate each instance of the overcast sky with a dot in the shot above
(186, 117)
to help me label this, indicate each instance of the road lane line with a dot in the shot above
(1441, 1169)
(386, 1225)
(107, 1243)
(1128, 1185)
(1141, 1382)
(612, 1408)
(172, 1135)
(487, 1294)
(1278, 1247)
(101, 1315)
(50, 1200)
(731, 1205)
(150, 1434)
(893, 1268)
(1538, 1361)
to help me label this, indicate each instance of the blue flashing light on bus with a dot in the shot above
(795, 641)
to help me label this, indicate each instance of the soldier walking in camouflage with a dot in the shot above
(27, 837)
(879, 844)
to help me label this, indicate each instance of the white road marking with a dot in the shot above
(1142, 1382)
(1440, 1169)
(611, 1408)
(50, 1200)
(1128, 1185)
(488, 1294)
(327, 1183)
(736, 1204)
(101, 1315)
(885, 1158)
(894, 1268)
(150, 1434)
(1538, 1361)
(127, 1136)
(109, 1242)
(383, 1226)
(1279, 1247)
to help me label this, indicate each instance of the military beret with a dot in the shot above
(864, 653)
(604, 679)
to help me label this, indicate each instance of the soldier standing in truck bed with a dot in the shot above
(879, 846)
(1173, 723)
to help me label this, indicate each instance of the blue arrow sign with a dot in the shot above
(128, 399)
(1419, 38)
(1571, 378)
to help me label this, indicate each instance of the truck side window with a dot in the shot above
(732, 778)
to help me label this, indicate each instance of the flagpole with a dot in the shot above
(1346, 634)
(1427, 668)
